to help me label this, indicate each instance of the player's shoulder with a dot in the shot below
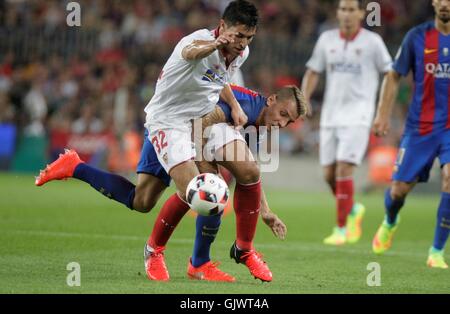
(201, 34)
(329, 34)
(419, 30)
(371, 37)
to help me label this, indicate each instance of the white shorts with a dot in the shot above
(220, 135)
(173, 146)
(347, 144)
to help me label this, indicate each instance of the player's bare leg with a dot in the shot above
(237, 158)
(394, 200)
(329, 173)
(148, 191)
(442, 230)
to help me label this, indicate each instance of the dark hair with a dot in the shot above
(362, 4)
(241, 12)
(294, 93)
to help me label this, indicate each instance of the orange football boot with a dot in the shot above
(155, 266)
(253, 260)
(61, 168)
(209, 272)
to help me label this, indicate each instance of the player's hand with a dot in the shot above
(225, 39)
(277, 226)
(239, 117)
(381, 126)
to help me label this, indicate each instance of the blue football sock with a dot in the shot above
(109, 184)
(443, 222)
(392, 207)
(205, 233)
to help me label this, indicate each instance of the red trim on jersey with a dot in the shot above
(341, 34)
(426, 119)
(244, 90)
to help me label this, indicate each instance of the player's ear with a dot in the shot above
(271, 100)
(222, 26)
(362, 13)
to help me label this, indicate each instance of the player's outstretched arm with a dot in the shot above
(200, 49)
(388, 93)
(238, 115)
(277, 226)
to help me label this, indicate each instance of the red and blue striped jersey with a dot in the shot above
(426, 52)
(252, 104)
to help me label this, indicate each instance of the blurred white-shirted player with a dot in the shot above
(353, 58)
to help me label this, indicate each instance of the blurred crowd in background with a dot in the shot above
(86, 87)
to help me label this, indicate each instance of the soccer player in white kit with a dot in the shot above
(189, 86)
(353, 58)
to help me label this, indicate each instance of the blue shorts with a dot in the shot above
(417, 153)
(149, 162)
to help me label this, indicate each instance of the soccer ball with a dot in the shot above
(207, 194)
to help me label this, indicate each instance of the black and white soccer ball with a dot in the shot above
(207, 194)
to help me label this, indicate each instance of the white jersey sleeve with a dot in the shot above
(318, 61)
(383, 59)
(187, 90)
(198, 35)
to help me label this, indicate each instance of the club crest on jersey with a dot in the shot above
(211, 76)
(445, 51)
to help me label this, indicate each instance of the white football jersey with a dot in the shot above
(187, 90)
(352, 69)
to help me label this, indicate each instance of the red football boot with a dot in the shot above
(253, 260)
(61, 168)
(209, 272)
(155, 266)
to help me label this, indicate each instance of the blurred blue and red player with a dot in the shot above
(426, 52)
(277, 110)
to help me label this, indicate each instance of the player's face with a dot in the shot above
(280, 113)
(442, 10)
(349, 14)
(243, 38)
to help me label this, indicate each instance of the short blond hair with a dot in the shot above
(293, 92)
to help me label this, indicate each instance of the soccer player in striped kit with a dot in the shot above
(425, 52)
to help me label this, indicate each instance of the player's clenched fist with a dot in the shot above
(381, 126)
(225, 39)
(239, 117)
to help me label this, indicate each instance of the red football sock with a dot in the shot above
(247, 202)
(344, 199)
(169, 216)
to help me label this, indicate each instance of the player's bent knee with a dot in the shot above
(446, 183)
(249, 175)
(144, 204)
(330, 178)
(399, 190)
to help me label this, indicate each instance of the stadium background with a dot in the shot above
(86, 87)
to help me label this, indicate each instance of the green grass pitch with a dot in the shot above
(43, 229)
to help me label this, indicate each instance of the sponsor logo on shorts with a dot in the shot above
(401, 154)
